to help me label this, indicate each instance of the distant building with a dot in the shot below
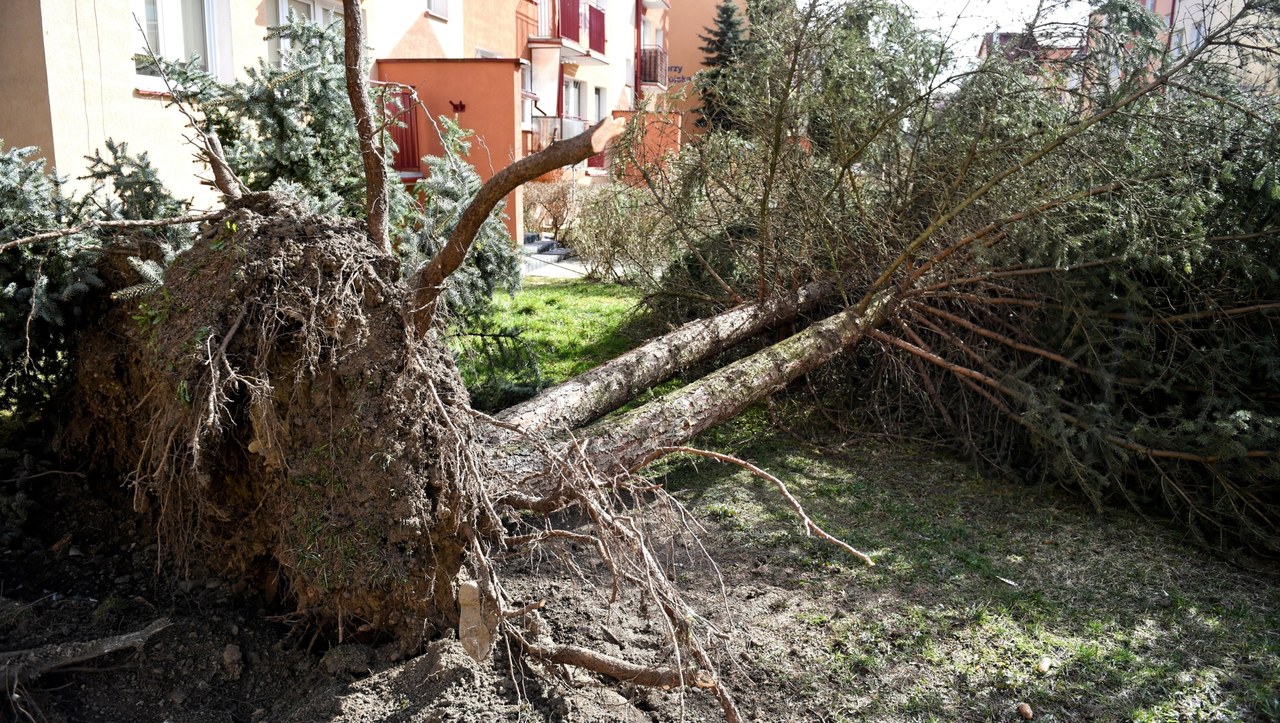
(1193, 20)
(519, 73)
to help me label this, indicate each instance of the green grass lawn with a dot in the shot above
(572, 326)
(560, 328)
(986, 593)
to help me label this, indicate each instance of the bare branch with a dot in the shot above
(377, 203)
(117, 223)
(428, 281)
(809, 525)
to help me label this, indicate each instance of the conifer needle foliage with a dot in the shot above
(1080, 248)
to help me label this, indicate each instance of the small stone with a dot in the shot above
(122, 579)
(1025, 711)
(1045, 665)
(232, 661)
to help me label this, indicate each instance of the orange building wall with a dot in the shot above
(490, 89)
(661, 137)
(526, 26)
(491, 25)
(687, 20)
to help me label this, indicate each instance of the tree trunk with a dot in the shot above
(593, 394)
(377, 202)
(428, 281)
(625, 442)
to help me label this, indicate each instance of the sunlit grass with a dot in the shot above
(987, 593)
(571, 325)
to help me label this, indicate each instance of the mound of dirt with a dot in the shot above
(278, 422)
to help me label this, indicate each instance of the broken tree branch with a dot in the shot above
(23, 666)
(377, 204)
(809, 525)
(428, 280)
(117, 223)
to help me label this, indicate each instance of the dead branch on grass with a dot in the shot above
(810, 526)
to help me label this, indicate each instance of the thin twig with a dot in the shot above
(113, 223)
(809, 525)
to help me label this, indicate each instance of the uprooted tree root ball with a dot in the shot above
(276, 419)
(281, 422)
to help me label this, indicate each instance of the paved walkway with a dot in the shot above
(565, 269)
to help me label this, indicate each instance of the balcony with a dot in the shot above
(653, 65)
(579, 27)
(549, 129)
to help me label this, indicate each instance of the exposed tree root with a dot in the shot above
(21, 667)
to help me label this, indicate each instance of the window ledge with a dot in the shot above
(436, 16)
(152, 93)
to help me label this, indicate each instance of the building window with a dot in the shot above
(321, 12)
(527, 96)
(602, 106)
(174, 30)
(573, 98)
(438, 8)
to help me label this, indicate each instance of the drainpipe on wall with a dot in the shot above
(637, 94)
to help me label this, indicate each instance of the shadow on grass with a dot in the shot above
(986, 594)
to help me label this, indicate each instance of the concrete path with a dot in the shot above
(570, 268)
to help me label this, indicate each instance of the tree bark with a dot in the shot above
(377, 203)
(428, 281)
(595, 393)
(628, 441)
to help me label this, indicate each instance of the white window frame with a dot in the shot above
(438, 10)
(216, 54)
(317, 10)
(527, 96)
(574, 90)
(600, 98)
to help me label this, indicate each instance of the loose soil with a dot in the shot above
(986, 595)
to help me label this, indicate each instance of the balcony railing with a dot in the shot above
(549, 129)
(545, 14)
(653, 65)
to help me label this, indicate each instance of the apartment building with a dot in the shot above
(1191, 21)
(519, 73)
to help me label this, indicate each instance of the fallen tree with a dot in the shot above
(285, 409)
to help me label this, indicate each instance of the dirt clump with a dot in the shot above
(278, 422)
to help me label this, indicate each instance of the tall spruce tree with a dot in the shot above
(723, 46)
